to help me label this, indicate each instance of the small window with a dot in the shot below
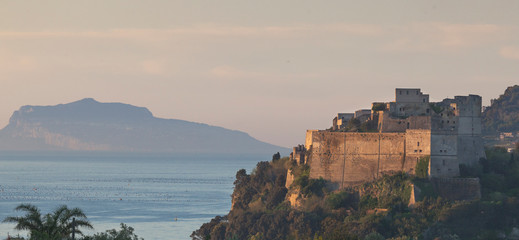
(443, 161)
(407, 92)
(447, 121)
(418, 144)
(424, 100)
(416, 92)
(441, 150)
(427, 110)
(400, 93)
(420, 150)
(407, 125)
(453, 121)
(415, 150)
(441, 114)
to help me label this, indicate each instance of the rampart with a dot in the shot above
(457, 188)
(348, 158)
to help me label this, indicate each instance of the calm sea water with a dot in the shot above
(161, 196)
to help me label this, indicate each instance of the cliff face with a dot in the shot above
(88, 125)
(503, 114)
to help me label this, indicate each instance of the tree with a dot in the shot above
(57, 225)
(126, 233)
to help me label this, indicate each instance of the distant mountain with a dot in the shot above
(503, 113)
(88, 125)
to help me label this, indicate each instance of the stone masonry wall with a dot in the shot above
(348, 159)
(457, 188)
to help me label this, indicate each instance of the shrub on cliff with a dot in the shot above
(260, 211)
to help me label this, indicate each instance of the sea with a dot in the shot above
(162, 196)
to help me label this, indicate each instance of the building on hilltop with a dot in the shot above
(411, 127)
(340, 121)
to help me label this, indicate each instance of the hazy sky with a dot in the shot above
(269, 68)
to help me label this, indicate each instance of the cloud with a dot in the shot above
(214, 30)
(435, 36)
(510, 52)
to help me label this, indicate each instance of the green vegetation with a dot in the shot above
(422, 167)
(379, 107)
(374, 210)
(56, 225)
(62, 224)
(126, 233)
(503, 114)
(437, 109)
(355, 125)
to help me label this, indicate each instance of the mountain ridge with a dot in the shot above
(89, 125)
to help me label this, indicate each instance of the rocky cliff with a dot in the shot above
(88, 125)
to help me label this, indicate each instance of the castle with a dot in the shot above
(393, 136)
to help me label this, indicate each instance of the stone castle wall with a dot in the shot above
(348, 159)
(408, 129)
(457, 188)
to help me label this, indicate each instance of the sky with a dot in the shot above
(272, 69)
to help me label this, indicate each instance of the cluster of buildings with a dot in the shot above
(403, 131)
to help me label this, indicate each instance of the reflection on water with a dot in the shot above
(161, 196)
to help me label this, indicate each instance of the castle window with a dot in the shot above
(407, 125)
(416, 92)
(441, 114)
(447, 121)
(453, 121)
(407, 92)
(443, 162)
(441, 150)
(424, 100)
(415, 150)
(400, 93)
(420, 150)
(427, 110)
(418, 144)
